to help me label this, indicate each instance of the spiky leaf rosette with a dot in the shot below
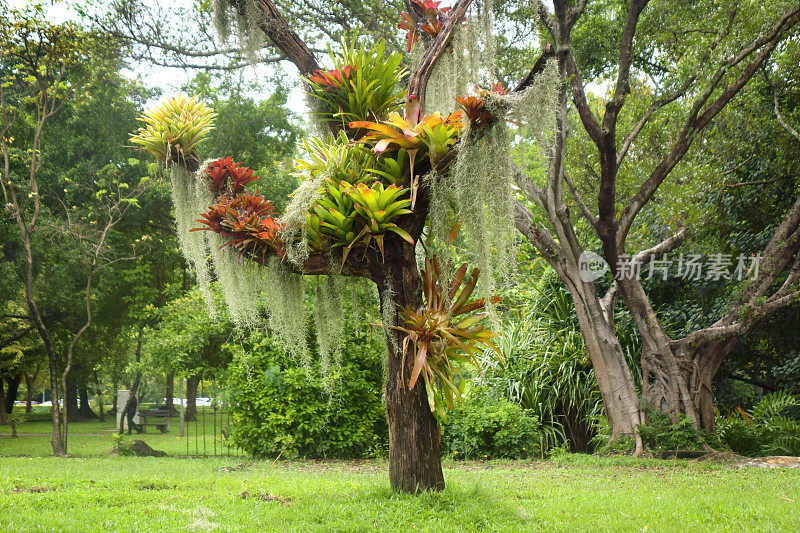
(363, 85)
(175, 128)
(443, 330)
(349, 215)
(248, 221)
(432, 137)
(225, 176)
(431, 23)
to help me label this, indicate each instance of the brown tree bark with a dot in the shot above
(85, 410)
(3, 417)
(414, 456)
(71, 402)
(191, 398)
(169, 395)
(28, 394)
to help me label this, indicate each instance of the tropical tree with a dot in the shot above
(369, 189)
(44, 65)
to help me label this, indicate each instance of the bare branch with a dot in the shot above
(587, 214)
(419, 79)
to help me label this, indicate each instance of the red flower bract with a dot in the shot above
(225, 176)
(248, 220)
(332, 79)
(434, 19)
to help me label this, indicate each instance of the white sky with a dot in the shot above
(169, 80)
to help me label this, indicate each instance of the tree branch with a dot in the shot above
(697, 120)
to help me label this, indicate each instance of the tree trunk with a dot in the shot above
(100, 412)
(694, 372)
(71, 402)
(676, 381)
(86, 412)
(3, 417)
(170, 394)
(414, 456)
(28, 393)
(57, 442)
(11, 395)
(614, 377)
(191, 397)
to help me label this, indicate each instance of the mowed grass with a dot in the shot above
(573, 493)
(94, 438)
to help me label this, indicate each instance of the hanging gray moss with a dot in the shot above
(283, 297)
(477, 195)
(189, 200)
(244, 22)
(472, 61)
(532, 111)
(329, 319)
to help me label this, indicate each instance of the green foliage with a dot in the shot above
(545, 365)
(660, 433)
(280, 408)
(442, 332)
(484, 427)
(363, 85)
(186, 340)
(765, 430)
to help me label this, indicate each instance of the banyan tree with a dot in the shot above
(408, 157)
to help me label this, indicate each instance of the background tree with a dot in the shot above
(45, 65)
(677, 373)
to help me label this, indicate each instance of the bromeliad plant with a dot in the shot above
(248, 220)
(378, 206)
(337, 158)
(431, 23)
(349, 215)
(432, 137)
(474, 107)
(363, 85)
(445, 329)
(175, 128)
(225, 176)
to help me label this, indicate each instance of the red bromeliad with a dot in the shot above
(332, 79)
(248, 220)
(434, 19)
(225, 176)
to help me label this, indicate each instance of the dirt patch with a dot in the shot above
(36, 490)
(264, 497)
(775, 461)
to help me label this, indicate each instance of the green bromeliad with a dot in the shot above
(175, 128)
(349, 215)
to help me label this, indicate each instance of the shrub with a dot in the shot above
(278, 408)
(488, 427)
(765, 430)
(659, 433)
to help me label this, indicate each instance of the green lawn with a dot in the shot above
(95, 438)
(93, 491)
(574, 493)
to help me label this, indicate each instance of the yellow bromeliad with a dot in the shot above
(175, 128)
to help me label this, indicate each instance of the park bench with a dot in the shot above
(155, 417)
